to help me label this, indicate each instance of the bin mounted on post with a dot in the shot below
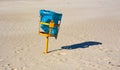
(49, 25)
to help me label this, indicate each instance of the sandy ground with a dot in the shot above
(89, 37)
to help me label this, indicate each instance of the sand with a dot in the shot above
(89, 36)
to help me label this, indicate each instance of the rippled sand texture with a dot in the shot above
(89, 36)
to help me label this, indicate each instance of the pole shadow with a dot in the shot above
(81, 45)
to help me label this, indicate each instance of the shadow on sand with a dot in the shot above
(79, 45)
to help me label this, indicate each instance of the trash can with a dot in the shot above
(47, 16)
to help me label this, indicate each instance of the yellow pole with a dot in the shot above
(51, 25)
(46, 48)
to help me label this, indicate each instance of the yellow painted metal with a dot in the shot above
(46, 48)
(51, 25)
(44, 34)
(44, 23)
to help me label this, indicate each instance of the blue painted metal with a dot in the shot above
(47, 16)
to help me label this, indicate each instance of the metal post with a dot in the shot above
(46, 48)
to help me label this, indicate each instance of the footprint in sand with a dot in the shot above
(63, 60)
(61, 53)
(113, 64)
(9, 66)
(1, 59)
(13, 69)
(19, 50)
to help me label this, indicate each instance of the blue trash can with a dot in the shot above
(47, 16)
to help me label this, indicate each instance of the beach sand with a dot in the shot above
(89, 36)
